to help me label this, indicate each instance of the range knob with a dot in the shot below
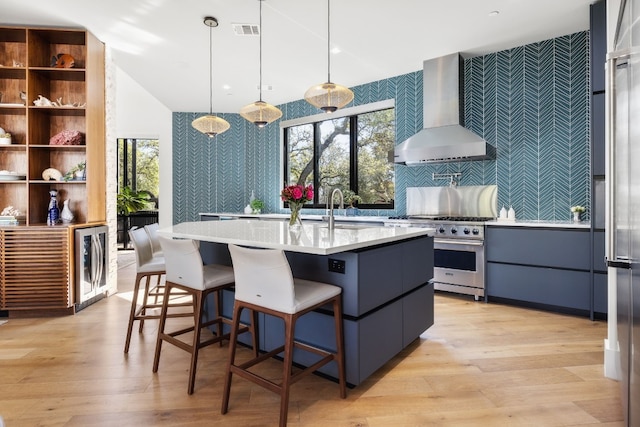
(441, 230)
(454, 230)
(475, 231)
(466, 230)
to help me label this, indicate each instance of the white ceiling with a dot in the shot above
(164, 45)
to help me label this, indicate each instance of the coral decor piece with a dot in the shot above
(51, 174)
(63, 60)
(11, 211)
(67, 137)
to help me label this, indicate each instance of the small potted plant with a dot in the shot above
(256, 206)
(350, 197)
(76, 173)
(577, 210)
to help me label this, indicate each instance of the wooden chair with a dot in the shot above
(147, 266)
(186, 272)
(264, 283)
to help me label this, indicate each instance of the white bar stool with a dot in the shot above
(147, 266)
(186, 272)
(264, 283)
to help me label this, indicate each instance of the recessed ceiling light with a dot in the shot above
(336, 50)
(494, 13)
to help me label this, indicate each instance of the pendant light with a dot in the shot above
(328, 96)
(210, 125)
(260, 113)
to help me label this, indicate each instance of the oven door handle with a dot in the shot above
(459, 242)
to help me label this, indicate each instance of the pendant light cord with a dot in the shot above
(210, 70)
(328, 41)
(260, 50)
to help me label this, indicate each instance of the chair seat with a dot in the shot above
(310, 293)
(217, 275)
(157, 263)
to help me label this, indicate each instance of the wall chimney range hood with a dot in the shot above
(444, 138)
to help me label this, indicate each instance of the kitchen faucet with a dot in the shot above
(332, 222)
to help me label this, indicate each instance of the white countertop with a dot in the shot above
(313, 237)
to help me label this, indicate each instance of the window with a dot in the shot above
(350, 152)
(138, 165)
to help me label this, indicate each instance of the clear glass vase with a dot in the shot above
(294, 219)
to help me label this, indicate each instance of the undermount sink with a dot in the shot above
(347, 226)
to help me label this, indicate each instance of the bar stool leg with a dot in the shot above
(197, 321)
(132, 314)
(235, 325)
(289, 325)
(163, 321)
(143, 311)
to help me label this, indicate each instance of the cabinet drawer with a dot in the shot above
(562, 288)
(568, 249)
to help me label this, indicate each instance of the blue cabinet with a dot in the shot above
(549, 268)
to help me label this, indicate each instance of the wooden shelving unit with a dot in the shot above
(26, 72)
(25, 67)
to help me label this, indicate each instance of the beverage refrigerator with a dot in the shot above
(92, 265)
(623, 199)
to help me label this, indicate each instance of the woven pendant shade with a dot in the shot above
(328, 96)
(210, 125)
(260, 113)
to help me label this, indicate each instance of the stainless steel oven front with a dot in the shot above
(459, 266)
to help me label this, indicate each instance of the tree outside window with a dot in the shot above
(350, 153)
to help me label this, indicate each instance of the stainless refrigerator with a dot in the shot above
(623, 205)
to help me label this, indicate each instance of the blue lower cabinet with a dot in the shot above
(369, 342)
(416, 318)
(539, 285)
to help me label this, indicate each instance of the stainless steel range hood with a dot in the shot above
(444, 138)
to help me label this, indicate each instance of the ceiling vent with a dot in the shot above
(246, 29)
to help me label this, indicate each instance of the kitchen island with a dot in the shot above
(384, 273)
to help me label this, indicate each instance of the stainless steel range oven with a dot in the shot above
(459, 264)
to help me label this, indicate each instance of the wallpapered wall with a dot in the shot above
(530, 102)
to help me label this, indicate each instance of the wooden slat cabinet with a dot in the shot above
(36, 269)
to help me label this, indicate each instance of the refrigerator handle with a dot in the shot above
(94, 268)
(609, 158)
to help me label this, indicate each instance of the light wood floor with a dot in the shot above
(479, 365)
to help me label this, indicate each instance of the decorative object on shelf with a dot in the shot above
(210, 125)
(23, 97)
(260, 113)
(51, 174)
(5, 137)
(296, 196)
(45, 102)
(1, 95)
(577, 210)
(63, 60)
(328, 96)
(77, 173)
(17, 64)
(511, 213)
(42, 102)
(67, 137)
(66, 215)
(256, 206)
(11, 211)
(53, 213)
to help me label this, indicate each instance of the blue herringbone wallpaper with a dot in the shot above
(530, 102)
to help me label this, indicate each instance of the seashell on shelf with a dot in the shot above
(51, 174)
